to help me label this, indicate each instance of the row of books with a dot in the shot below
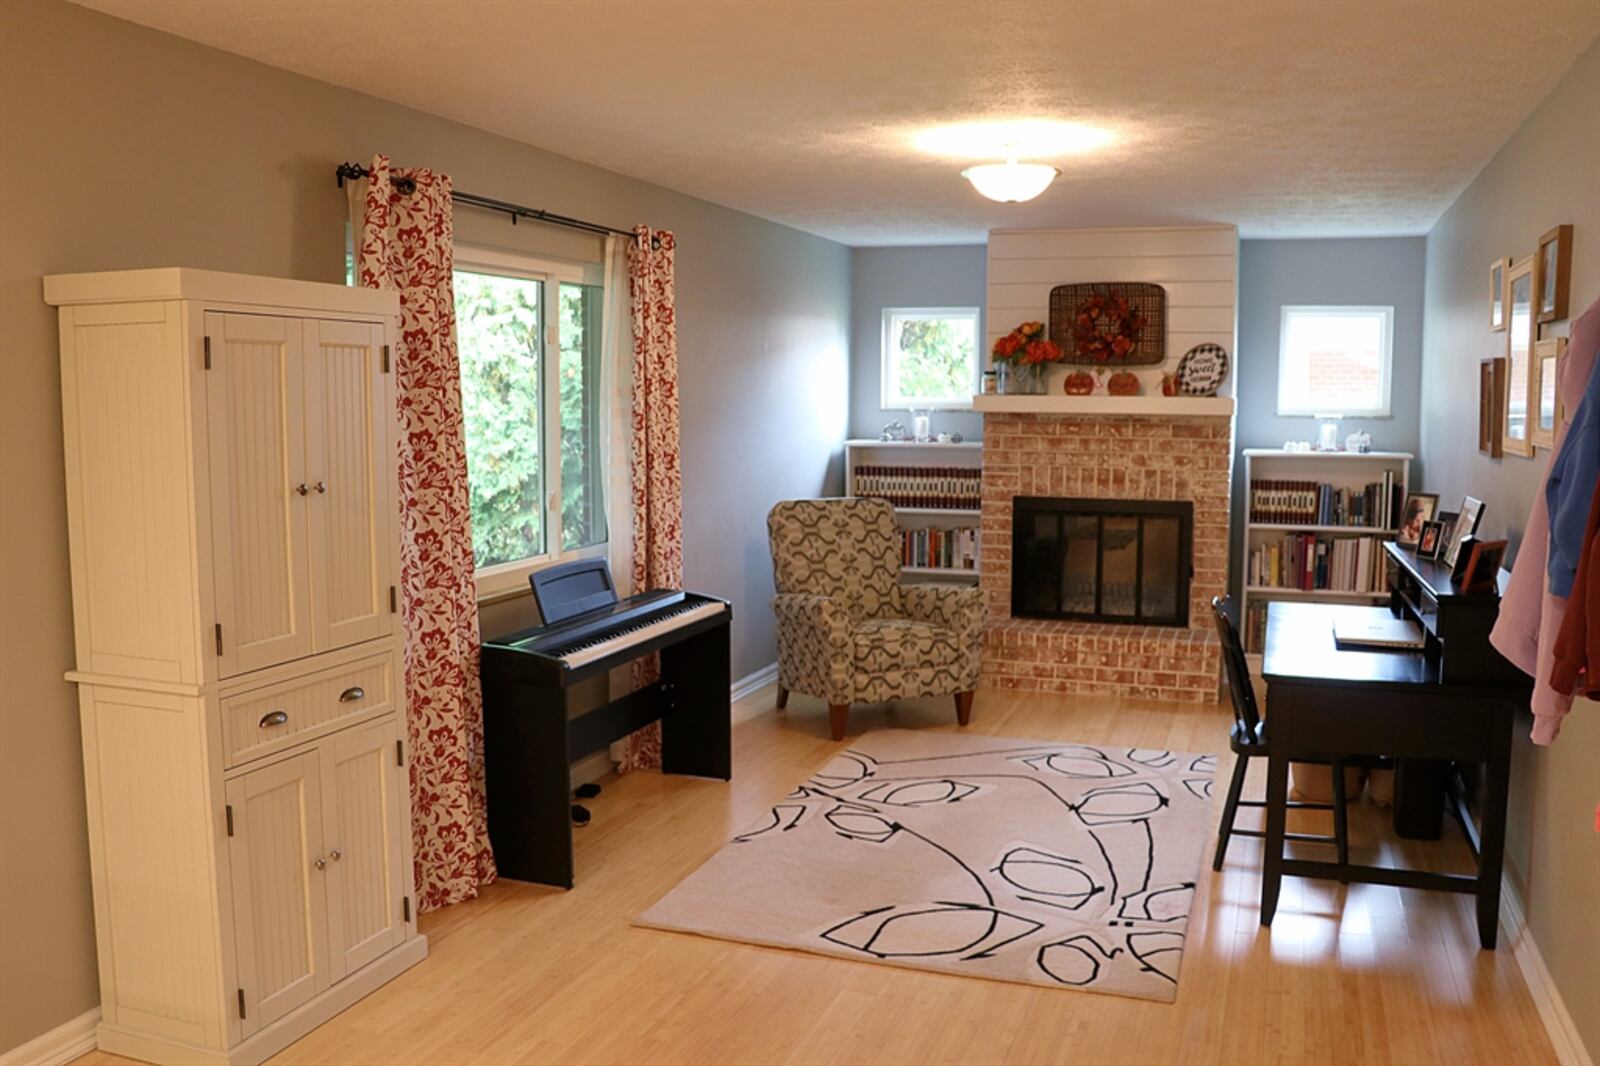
(1254, 631)
(1308, 562)
(947, 549)
(1284, 502)
(957, 488)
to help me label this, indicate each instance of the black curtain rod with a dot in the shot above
(405, 186)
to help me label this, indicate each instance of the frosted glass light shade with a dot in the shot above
(1011, 182)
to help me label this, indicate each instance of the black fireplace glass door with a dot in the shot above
(1119, 567)
(1158, 592)
(1080, 536)
(1121, 561)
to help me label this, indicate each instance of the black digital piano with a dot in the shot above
(532, 734)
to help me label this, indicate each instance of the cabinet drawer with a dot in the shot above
(263, 720)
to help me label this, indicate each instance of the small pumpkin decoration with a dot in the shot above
(1078, 383)
(1123, 383)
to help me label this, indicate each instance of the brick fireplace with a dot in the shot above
(1146, 457)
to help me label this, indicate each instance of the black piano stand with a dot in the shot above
(531, 738)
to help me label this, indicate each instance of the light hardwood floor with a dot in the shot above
(1364, 974)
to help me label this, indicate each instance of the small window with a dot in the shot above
(930, 357)
(529, 345)
(1335, 360)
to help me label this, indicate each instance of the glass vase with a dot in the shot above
(1022, 379)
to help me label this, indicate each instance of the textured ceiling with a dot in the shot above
(1288, 117)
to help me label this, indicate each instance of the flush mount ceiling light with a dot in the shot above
(1011, 182)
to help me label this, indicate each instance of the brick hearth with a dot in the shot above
(1179, 457)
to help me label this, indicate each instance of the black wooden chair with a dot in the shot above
(1248, 739)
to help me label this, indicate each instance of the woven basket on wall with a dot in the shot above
(1145, 299)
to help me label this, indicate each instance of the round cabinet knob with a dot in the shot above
(301, 488)
(320, 863)
(335, 854)
(321, 487)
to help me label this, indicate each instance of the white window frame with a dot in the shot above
(1385, 361)
(890, 403)
(503, 579)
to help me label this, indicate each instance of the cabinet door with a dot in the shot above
(254, 398)
(349, 464)
(364, 786)
(279, 888)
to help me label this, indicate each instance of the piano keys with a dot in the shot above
(539, 717)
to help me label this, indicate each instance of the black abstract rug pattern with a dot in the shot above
(1066, 865)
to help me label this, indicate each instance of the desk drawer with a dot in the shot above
(262, 720)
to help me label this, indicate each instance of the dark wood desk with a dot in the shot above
(1324, 701)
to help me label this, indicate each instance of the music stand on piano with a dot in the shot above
(533, 733)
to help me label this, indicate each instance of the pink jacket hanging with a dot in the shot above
(1525, 631)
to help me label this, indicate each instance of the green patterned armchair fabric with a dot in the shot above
(848, 631)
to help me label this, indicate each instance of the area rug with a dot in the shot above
(1066, 865)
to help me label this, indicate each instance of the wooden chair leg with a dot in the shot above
(783, 697)
(838, 715)
(964, 706)
(1341, 818)
(1230, 809)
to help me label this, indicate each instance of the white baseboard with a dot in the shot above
(749, 684)
(1558, 1022)
(60, 1045)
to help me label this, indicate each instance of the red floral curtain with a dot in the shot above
(656, 479)
(406, 244)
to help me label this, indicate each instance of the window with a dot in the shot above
(1335, 360)
(529, 345)
(930, 357)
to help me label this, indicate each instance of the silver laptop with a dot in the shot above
(1368, 632)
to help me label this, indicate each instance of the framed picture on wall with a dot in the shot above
(1553, 274)
(1515, 424)
(1546, 404)
(1491, 404)
(1497, 292)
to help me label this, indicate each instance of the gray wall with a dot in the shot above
(1275, 274)
(944, 276)
(1547, 173)
(127, 148)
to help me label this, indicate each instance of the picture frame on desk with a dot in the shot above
(1483, 565)
(1467, 520)
(1430, 540)
(1418, 510)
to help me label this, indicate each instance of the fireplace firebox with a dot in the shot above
(1117, 561)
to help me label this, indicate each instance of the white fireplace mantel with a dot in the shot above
(1171, 406)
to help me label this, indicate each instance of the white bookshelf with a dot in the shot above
(1347, 470)
(966, 455)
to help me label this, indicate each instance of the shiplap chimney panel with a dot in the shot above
(1197, 265)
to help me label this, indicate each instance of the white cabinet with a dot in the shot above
(300, 495)
(279, 899)
(231, 499)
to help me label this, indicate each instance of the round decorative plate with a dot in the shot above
(1201, 370)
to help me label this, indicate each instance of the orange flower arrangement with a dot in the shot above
(1027, 344)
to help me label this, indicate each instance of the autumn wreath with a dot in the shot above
(1105, 328)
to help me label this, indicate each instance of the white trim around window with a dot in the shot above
(502, 580)
(886, 393)
(1296, 402)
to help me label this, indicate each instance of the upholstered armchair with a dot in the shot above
(848, 631)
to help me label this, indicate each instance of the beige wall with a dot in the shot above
(121, 147)
(1548, 173)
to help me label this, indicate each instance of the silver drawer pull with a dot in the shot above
(353, 693)
(274, 718)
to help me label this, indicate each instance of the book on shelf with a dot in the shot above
(1280, 501)
(1254, 633)
(951, 488)
(1310, 563)
(940, 549)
